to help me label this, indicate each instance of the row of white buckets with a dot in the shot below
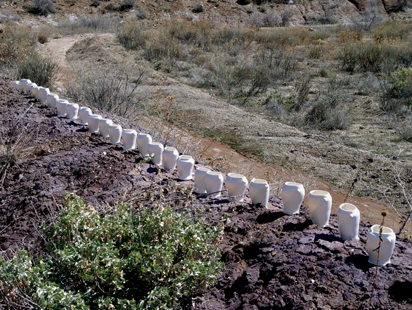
(211, 182)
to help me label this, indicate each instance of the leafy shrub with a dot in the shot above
(396, 90)
(131, 35)
(147, 258)
(40, 70)
(41, 7)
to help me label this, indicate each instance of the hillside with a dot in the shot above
(259, 13)
(272, 261)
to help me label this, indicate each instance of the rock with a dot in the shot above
(198, 8)
(244, 2)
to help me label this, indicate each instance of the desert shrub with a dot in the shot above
(42, 38)
(396, 90)
(328, 112)
(91, 23)
(282, 38)
(162, 47)
(112, 91)
(391, 31)
(40, 70)
(316, 51)
(41, 7)
(405, 133)
(15, 43)
(374, 57)
(350, 35)
(302, 88)
(126, 258)
(131, 35)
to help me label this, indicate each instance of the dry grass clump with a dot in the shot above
(131, 35)
(86, 24)
(110, 91)
(374, 57)
(19, 59)
(391, 31)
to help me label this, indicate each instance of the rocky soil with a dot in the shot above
(273, 261)
(255, 12)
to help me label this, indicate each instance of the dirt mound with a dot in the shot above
(273, 261)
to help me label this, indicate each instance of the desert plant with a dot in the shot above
(113, 92)
(302, 88)
(15, 144)
(131, 35)
(127, 257)
(396, 90)
(41, 70)
(401, 200)
(41, 7)
(90, 23)
(391, 31)
(328, 112)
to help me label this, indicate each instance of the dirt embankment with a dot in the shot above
(273, 261)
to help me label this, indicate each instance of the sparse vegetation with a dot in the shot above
(41, 7)
(41, 70)
(112, 92)
(127, 257)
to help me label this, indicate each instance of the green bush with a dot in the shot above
(396, 90)
(147, 258)
(40, 70)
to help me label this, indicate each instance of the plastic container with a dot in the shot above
(115, 133)
(292, 196)
(259, 191)
(61, 107)
(214, 183)
(386, 248)
(185, 165)
(93, 122)
(319, 205)
(84, 114)
(200, 175)
(72, 109)
(169, 158)
(142, 142)
(236, 186)
(104, 127)
(129, 139)
(348, 221)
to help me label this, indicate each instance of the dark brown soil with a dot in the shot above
(273, 261)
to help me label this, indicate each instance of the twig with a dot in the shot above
(379, 250)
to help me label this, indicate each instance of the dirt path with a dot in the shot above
(278, 141)
(57, 49)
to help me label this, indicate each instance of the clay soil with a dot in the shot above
(272, 261)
